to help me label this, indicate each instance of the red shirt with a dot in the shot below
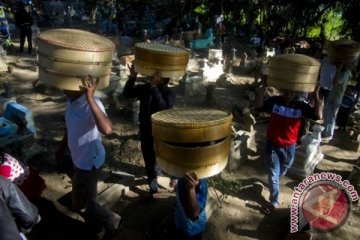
(285, 120)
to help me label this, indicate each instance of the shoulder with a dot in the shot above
(301, 104)
(274, 100)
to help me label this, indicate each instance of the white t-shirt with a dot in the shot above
(84, 138)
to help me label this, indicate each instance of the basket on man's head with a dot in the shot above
(293, 72)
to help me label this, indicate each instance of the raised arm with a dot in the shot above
(129, 89)
(103, 123)
(191, 181)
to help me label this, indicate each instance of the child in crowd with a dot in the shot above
(86, 120)
(287, 113)
(190, 215)
(347, 106)
(154, 96)
(26, 178)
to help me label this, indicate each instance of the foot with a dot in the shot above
(268, 209)
(106, 233)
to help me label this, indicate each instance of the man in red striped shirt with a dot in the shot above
(287, 112)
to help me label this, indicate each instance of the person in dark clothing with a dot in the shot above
(24, 22)
(154, 96)
(15, 210)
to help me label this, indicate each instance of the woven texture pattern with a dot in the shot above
(161, 48)
(346, 51)
(191, 117)
(76, 39)
(296, 72)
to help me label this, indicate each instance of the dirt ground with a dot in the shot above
(237, 195)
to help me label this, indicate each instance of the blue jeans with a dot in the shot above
(333, 103)
(278, 160)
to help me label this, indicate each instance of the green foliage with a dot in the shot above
(201, 9)
(334, 25)
(314, 32)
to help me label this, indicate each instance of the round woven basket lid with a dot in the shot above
(191, 117)
(160, 48)
(171, 61)
(296, 72)
(299, 60)
(345, 50)
(76, 40)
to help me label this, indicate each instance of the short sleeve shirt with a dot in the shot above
(189, 226)
(84, 138)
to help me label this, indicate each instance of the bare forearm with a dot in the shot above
(102, 121)
(319, 109)
(193, 208)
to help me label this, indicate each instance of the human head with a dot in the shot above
(289, 95)
(73, 95)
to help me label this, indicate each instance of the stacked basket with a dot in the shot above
(65, 54)
(192, 140)
(345, 51)
(169, 60)
(295, 72)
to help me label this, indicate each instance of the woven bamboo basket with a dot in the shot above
(346, 51)
(169, 60)
(192, 140)
(64, 54)
(295, 72)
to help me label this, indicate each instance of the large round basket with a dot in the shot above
(346, 51)
(192, 140)
(169, 60)
(295, 72)
(65, 54)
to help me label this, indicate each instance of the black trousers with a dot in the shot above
(26, 33)
(147, 149)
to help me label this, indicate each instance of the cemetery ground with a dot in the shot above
(235, 197)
